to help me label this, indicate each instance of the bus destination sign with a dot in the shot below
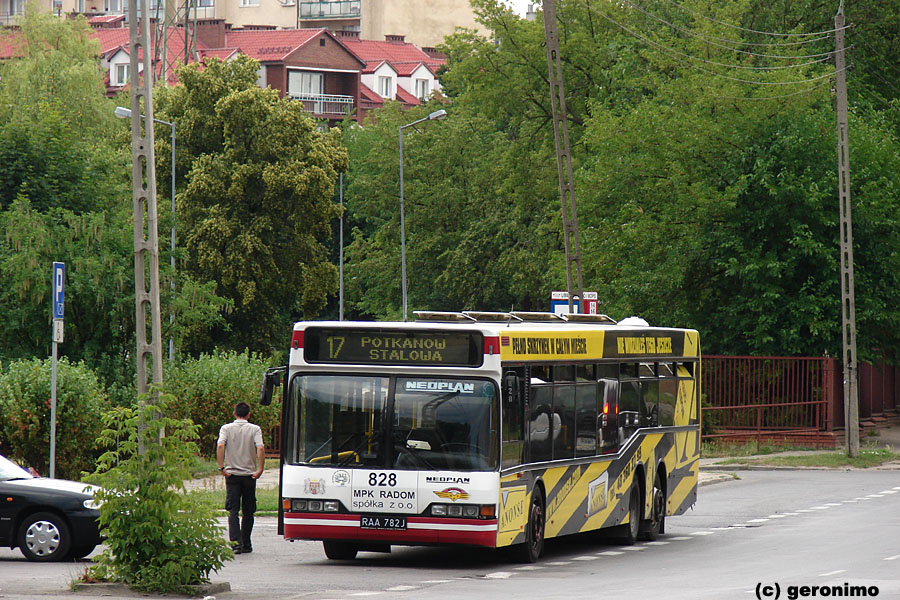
(393, 347)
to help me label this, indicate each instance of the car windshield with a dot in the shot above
(421, 423)
(10, 470)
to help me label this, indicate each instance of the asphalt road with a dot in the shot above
(791, 528)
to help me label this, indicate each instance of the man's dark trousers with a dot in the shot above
(240, 496)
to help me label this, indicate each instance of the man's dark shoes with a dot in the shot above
(236, 548)
(246, 550)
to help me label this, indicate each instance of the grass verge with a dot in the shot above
(868, 457)
(717, 449)
(266, 500)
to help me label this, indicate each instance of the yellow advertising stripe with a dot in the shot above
(683, 489)
(567, 499)
(552, 345)
(589, 488)
(691, 343)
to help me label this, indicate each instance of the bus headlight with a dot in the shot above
(469, 511)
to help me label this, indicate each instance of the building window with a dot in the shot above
(206, 3)
(121, 74)
(384, 87)
(249, 3)
(422, 89)
(112, 6)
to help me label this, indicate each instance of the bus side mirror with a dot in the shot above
(271, 379)
(511, 388)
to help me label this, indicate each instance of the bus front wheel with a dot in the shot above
(340, 550)
(533, 548)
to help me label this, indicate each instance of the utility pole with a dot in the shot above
(563, 156)
(848, 302)
(143, 185)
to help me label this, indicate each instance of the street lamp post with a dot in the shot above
(435, 116)
(125, 113)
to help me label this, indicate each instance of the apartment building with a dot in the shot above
(423, 22)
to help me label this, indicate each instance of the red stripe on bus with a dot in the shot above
(297, 339)
(327, 531)
(492, 344)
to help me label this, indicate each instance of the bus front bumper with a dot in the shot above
(419, 530)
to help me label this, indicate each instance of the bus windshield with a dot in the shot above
(420, 423)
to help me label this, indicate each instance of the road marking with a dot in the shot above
(609, 553)
(529, 568)
(830, 573)
(849, 501)
(701, 533)
(897, 488)
(634, 548)
(448, 580)
(402, 588)
(862, 498)
(875, 496)
(803, 510)
(366, 593)
(757, 520)
(500, 575)
(777, 516)
(833, 504)
(559, 563)
(793, 514)
(586, 557)
(656, 543)
(819, 507)
(888, 492)
(895, 557)
(678, 539)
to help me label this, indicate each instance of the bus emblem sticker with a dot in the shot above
(453, 493)
(314, 486)
(597, 496)
(341, 478)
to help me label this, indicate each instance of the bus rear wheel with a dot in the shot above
(340, 550)
(652, 527)
(533, 548)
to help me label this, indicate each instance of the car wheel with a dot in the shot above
(44, 537)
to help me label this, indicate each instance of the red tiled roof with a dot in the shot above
(406, 98)
(114, 39)
(368, 95)
(400, 55)
(270, 46)
(220, 53)
(103, 19)
(373, 65)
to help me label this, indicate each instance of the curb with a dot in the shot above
(108, 589)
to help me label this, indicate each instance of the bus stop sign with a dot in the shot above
(59, 283)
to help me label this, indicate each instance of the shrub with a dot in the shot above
(208, 388)
(25, 415)
(158, 538)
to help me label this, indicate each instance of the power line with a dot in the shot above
(779, 97)
(713, 73)
(879, 54)
(738, 27)
(726, 40)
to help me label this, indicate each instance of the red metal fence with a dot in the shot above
(789, 399)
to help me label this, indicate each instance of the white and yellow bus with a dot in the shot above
(485, 429)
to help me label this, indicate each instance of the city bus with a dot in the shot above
(485, 429)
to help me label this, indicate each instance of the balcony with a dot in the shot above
(324, 104)
(338, 9)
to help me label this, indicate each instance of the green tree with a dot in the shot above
(158, 538)
(25, 415)
(257, 205)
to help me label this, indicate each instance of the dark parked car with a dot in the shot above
(47, 519)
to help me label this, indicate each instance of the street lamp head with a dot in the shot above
(123, 113)
(437, 115)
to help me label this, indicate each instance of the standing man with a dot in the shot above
(241, 456)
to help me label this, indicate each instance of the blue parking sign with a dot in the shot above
(59, 285)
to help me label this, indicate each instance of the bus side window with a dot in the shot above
(630, 409)
(586, 419)
(513, 437)
(650, 397)
(608, 410)
(541, 424)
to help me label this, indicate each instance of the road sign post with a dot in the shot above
(58, 296)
